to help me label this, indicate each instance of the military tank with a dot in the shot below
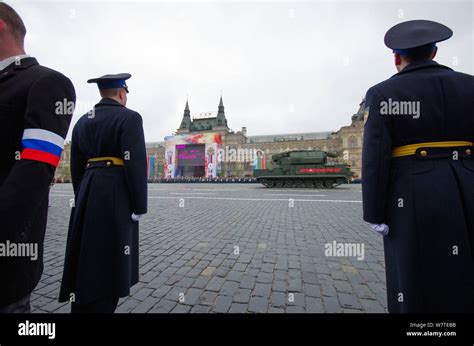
(304, 168)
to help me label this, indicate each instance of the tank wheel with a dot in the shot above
(299, 183)
(328, 183)
(318, 184)
(279, 183)
(308, 184)
(269, 183)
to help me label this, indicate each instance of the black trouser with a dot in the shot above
(106, 305)
(21, 306)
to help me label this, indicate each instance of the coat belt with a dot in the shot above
(109, 160)
(410, 149)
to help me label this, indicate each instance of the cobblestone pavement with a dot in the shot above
(238, 248)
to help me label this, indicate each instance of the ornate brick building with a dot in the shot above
(204, 145)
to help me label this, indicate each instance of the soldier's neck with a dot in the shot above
(8, 53)
(402, 65)
(116, 99)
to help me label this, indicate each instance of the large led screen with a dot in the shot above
(191, 155)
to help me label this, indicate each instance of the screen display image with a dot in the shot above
(191, 155)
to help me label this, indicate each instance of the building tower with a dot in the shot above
(221, 120)
(186, 122)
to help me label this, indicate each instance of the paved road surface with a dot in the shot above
(239, 248)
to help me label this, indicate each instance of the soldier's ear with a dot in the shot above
(434, 53)
(123, 96)
(398, 59)
(3, 25)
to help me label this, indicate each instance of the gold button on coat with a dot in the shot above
(423, 153)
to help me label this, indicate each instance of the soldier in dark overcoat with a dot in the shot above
(418, 174)
(109, 176)
(36, 106)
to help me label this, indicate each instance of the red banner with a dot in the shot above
(320, 170)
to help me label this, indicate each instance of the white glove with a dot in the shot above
(136, 217)
(381, 229)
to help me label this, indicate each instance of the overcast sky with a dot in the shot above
(282, 67)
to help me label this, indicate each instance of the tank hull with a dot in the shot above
(307, 181)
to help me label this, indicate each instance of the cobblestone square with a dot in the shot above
(238, 248)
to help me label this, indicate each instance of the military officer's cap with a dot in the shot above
(112, 81)
(415, 34)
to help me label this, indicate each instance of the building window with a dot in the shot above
(352, 142)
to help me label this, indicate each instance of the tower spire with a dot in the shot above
(221, 120)
(186, 122)
(221, 106)
(186, 110)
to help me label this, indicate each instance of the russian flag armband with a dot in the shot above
(42, 145)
